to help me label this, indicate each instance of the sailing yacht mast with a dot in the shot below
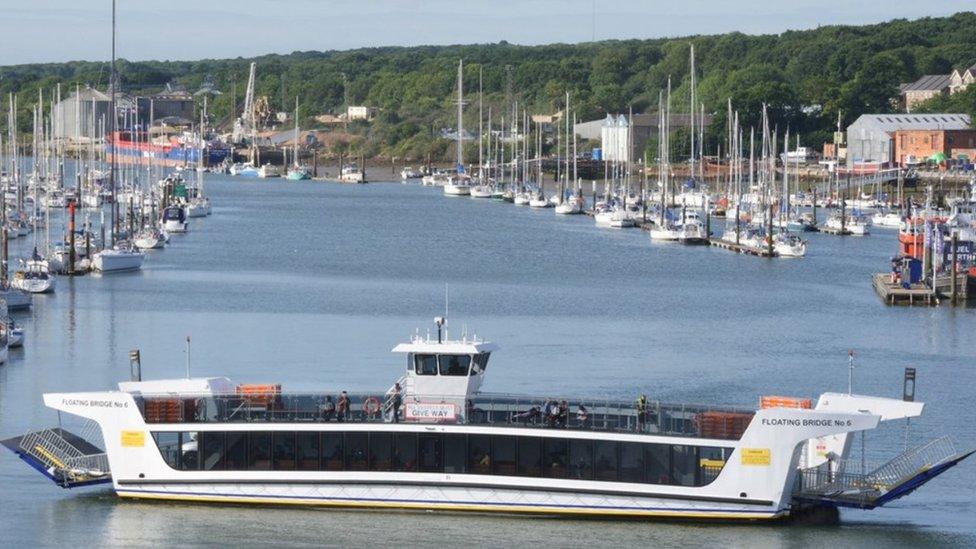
(460, 114)
(112, 123)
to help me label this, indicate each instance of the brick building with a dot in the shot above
(918, 145)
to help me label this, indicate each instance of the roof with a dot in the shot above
(894, 122)
(454, 347)
(929, 82)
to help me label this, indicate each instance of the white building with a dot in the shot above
(359, 112)
(615, 139)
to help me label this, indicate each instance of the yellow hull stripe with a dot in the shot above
(450, 507)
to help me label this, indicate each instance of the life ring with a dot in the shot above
(371, 406)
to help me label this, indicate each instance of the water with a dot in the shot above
(311, 285)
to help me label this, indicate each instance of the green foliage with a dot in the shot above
(803, 77)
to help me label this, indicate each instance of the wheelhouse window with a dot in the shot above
(480, 361)
(454, 365)
(425, 365)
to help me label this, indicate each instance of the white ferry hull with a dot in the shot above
(445, 497)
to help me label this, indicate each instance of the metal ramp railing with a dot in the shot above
(833, 484)
(62, 460)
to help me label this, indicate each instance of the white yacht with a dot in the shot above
(857, 225)
(458, 185)
(16, 300)
(482, 191)
(570, 206)
(118, 259)
(435, 441)
(889, 220)
(34, 277)
(149, 239)
(786, 244)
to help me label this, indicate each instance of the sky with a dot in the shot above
(38, 31)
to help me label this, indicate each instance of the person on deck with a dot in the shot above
(641, 412)
(328, 409)
(343, 407)
(397, 402)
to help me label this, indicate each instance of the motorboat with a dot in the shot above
(174, 219)
(149, 239)
(539, 200)
(408, 173)
(351, 173)
(888, 220)
(692, 231)
(198, 206)
(17, 300)
(435, 441)
(458, 185)
(804, 222)
(15, 334)
(269, 171)
(854, 224)
(786, 244)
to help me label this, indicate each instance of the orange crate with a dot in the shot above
(259, 395)
(726, 425)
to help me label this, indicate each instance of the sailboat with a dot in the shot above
(34, 276)
(459, 183)
(483, 189)
(297, 172)
(664, 228)
(197, 204)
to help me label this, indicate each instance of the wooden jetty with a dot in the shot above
(834, 231)
(896, 294)
(741, 248)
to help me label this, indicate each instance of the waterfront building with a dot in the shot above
(870, 137)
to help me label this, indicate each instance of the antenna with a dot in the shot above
(850, 372)
(447, 298)
(187, 357)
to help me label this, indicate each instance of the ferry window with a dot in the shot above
(711, 460)
(169, 448)
(189, 449)
(605, 460)
(684, 465)
(380, 451)
(631, 462)
(479, 454)
(503, 455)
(455, 453)
(332, 459)
(259, 451)
(425, 365)
(284, 450)
(308, 450)
(657, 463)
(455, 365)
(212, 444)
(430, 453)
(480, 363)
(405, 455)
(555, 454)
(529, 456)
(235, 453)
(581, 459)
(356, 451)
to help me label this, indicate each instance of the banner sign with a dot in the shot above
(424, 411)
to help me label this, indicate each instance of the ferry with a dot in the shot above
(435, 441)
(132, 147)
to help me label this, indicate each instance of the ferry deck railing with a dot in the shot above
(483, 409)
